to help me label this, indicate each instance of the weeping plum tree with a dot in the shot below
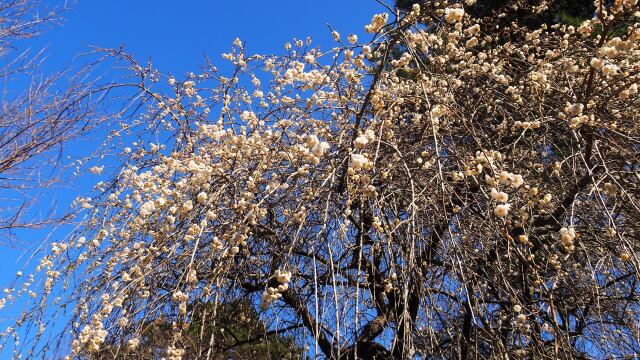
(473, 197)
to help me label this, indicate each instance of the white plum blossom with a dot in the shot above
(453, 15)
(502, 210)
(96, 170)
(358, 161)
(147, 208)
(378, 21)
(499, 196)
(610, 69)
(361, 141)
(202, 198)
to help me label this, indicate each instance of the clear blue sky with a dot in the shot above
(177, 35)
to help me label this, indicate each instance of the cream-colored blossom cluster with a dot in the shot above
(92, 335)
(274, 293)
(378, 21)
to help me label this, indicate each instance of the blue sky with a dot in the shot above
(176, 35)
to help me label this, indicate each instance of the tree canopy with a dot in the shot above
(544, 12)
